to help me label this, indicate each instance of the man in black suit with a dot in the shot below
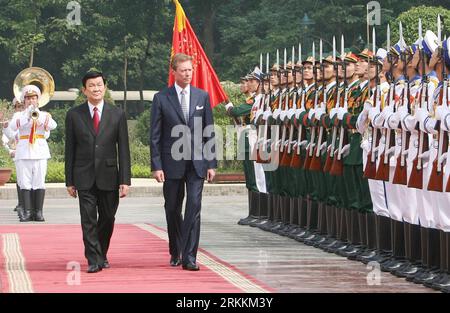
(96, 143)
(182, 155)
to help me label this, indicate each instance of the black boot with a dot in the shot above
(362, 220)
(424, 234)
(398, 249)
(39, 196)
(432, 258)
(355, 248)
(20, 208)
(19, 204)
(28, 205)
(412, 251)
(252, 208)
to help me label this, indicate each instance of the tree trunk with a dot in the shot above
(125, 70)
(208, 30)
(142, 69)
(32, 55)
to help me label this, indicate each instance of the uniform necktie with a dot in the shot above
(96, 120)
(184, 106)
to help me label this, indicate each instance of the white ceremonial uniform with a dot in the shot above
(377, 188)
(260, 178)
(31, 159)
(441, 209)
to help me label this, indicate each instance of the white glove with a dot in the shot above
(421, 114)
(229, 105)
(365, 145)
(311, 113)
(341, 112)
(303, 143)
(329, 148)
(333, 112)
(392, 121)
(323, 147)
(398, 116)
(42, 117)
(29, 109)
(276, 113)
(290, 113)
(373, 112)
(346, 150)
(310, 146)
(319, 113)
(386, 113)
(266, 115)
(425, 156)
(443, 158)
(367, 106)
(410, 122)
(390, 150)
(441, 112)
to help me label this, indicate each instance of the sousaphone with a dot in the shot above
(40, 78)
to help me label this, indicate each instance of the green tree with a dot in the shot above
(410, 20)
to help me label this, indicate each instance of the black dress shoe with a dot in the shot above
(94, 268)
(106, 264)
(174, 261)
(191, 267)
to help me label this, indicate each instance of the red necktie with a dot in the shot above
(96, 120)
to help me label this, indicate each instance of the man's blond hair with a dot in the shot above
(179, 58)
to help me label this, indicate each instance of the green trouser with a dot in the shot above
(249, 172)
(249, 169)
(341, 190)
(319, 184)
(358, 193)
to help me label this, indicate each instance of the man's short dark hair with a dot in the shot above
(91, 75)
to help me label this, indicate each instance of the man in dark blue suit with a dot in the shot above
(182, 150)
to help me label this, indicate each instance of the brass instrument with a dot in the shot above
(40, 78)
(34, 114)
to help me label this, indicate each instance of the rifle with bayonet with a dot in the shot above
(337, 168)
(331, 149)
(389, 134)
(310, 150)
(436, 181)
(401, 171)
(416, 177)
(297, 160)
(262, 146)
(371, 165)
(292, 105)
(316, 162)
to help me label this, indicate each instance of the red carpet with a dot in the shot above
(139, 263)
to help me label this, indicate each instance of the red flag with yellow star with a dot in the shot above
(185, 41)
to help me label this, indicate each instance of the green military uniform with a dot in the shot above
(243, 111)
(357, 186)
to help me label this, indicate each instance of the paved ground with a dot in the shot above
(281, 263)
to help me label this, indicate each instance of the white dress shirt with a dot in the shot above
(187, 95)
(99, 109)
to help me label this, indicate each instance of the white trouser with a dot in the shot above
(427, 203)
(31, 174)
(444, 201)
(260, 178)
(377, 190)
(411, 195)
(394, 196)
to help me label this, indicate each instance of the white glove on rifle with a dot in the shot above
(345, 150)
(341, 112)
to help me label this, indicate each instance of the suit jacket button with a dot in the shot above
(96, 146)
